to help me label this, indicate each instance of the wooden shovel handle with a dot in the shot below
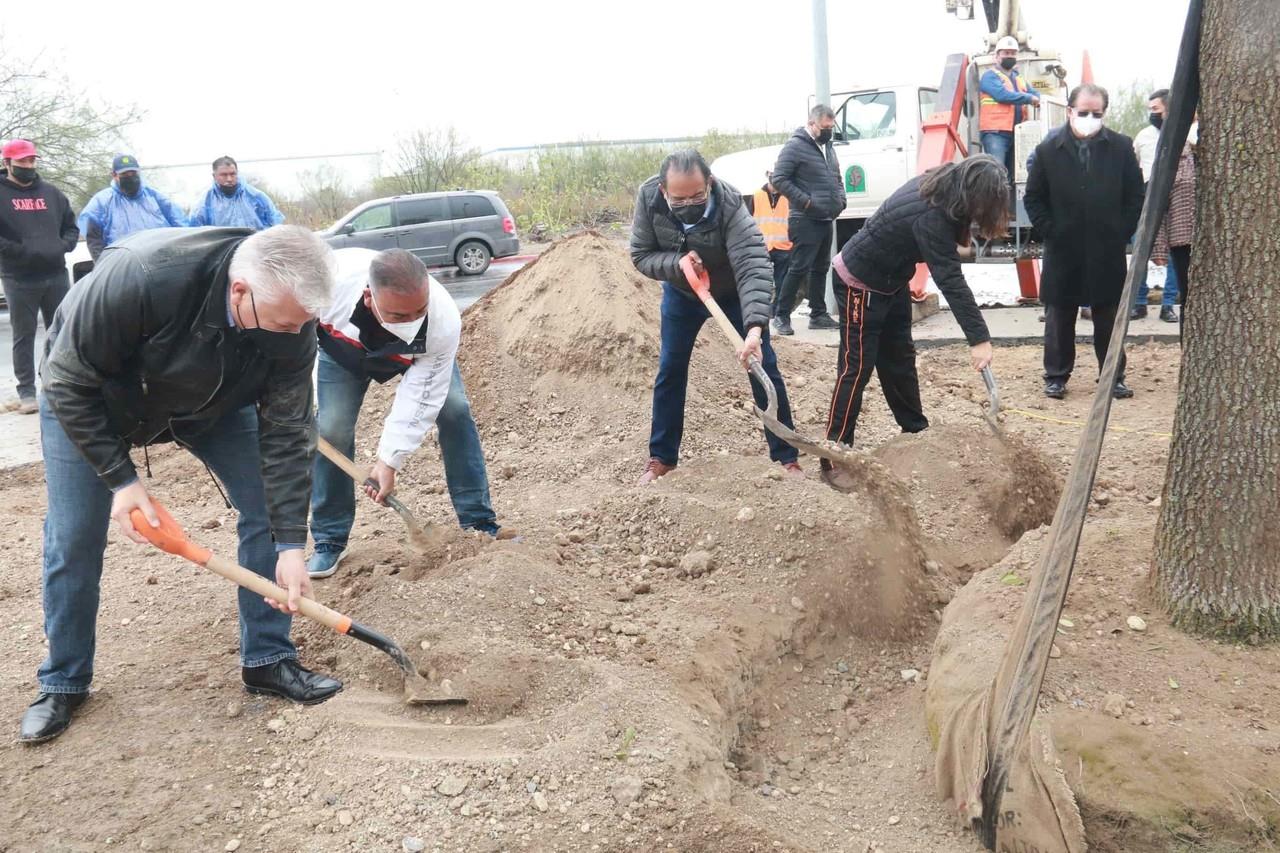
(254, 582)
(701, 286)
(337, 458)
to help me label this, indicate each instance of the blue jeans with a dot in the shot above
(1000, 146)
(1169, 296)
(682, 318)
(75, 534)
(339, 394)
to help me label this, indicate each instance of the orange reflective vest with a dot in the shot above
(772, 220)
(993, 115)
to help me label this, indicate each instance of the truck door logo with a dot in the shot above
(855, 180)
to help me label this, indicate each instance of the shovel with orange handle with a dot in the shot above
(170, 537)
(701, 286)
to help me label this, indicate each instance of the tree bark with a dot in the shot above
(1217, 566)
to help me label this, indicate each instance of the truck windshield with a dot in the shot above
(870, 115)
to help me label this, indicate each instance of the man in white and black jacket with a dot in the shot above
(808, 174)
(389, 318)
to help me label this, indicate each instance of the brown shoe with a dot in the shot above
(792, 471)
(655, 469)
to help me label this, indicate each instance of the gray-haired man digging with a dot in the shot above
(203, 337)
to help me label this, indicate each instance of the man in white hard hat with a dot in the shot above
(1003, 95)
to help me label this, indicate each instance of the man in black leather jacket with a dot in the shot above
(203, 337)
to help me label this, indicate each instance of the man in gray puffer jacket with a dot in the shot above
(684, 211)
(808, 174)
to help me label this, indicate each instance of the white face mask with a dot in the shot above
(404, 331)
(1086, 126)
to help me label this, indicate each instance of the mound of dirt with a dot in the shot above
(974, 493)
(580, 308)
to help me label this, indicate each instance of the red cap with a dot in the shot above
(18, 149)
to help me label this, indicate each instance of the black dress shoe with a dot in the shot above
(1138, 313)
(1168, 315)
(1055, 390)
(290, 680)
(823, 321)
(782, 326)
(1121, 391)
(49, 716)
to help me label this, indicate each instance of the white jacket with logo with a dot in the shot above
(425, 375)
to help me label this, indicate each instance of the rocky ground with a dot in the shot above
(726, 660)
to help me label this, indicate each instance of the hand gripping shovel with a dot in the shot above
(851, 463)
(422, 540)
(170, 537)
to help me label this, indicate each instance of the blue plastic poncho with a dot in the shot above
(118, 216)
(246, 208)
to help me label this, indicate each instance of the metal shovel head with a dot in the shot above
(419, 691)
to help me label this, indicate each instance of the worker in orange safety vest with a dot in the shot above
(770, 209)
(1000, 105)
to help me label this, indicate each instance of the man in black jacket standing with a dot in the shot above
(684, 211)
(37, 229)
(1084, 196)
(808, 174)
(203, 337)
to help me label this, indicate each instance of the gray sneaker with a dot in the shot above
(324, 562)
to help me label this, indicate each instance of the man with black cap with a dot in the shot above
(37, 229)
(126, 207)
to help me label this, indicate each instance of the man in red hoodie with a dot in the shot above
(37, 229)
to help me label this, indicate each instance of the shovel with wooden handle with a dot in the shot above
(422, 539)
(993, 396)
(701, 286)
(170, 537)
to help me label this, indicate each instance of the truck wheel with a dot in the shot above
(473, 257)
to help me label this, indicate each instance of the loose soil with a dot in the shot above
(725, 660)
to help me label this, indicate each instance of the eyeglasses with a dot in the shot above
(1087, 113)
(686, 202)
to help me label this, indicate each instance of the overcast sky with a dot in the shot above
(276, 79)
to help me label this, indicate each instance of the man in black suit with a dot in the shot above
(1084, 195)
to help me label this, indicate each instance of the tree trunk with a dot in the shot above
(1217, 567)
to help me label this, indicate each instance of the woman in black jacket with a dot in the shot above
(926, 220)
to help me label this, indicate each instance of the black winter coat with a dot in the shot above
(141, 352)
(907, 230)
(1085, 220)
(811, 183)
(729, 243)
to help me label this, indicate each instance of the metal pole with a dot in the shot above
(822, 95)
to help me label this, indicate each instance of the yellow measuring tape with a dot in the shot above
(1066, 422)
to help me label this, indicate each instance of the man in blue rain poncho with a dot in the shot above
(230, 202)
(125, 207)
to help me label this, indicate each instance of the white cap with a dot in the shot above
(1007, 43)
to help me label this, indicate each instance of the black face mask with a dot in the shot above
(228, 191)
(23, 174)
(130, 183)
(1156, 119)
(690, 214)
(270, 344)
(824, 136)
(1008, 62)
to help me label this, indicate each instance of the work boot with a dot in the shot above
(49, 716)
(28, 406)
(1086, 313)
(653, 470)
(1055, 390)
(792, 471)
(782, 326)
(822, 321)
(290, 680)
(1139, 312)
(1121, 391)
(1168, 315)
(324, 562)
